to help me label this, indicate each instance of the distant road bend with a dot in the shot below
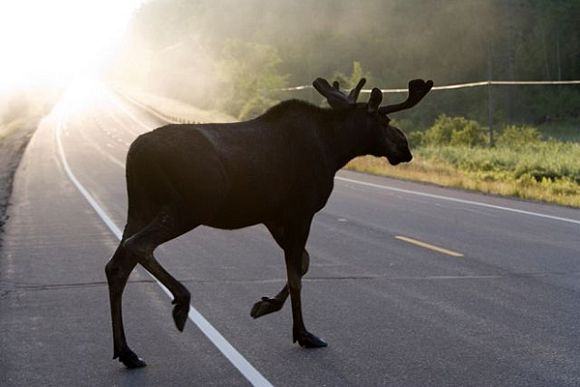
(411, 285)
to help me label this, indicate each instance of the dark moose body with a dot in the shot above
(277, 169)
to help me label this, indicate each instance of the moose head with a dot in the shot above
(390, 142)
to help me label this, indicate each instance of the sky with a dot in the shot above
(56, 41)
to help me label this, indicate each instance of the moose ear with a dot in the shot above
(375, 100)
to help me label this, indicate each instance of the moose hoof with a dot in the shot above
(266, 306)
(180, 312)
(131, 360)
(308, 340)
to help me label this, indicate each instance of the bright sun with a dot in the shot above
(54, 41)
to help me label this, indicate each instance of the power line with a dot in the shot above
(457, 85)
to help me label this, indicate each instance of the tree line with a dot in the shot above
(236, 56)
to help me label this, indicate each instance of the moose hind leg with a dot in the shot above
(181, 296)
(161, 230)
(269, 305)
(117, 271)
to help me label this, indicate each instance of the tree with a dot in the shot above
(250, 78)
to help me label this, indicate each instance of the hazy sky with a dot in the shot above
(51, 41)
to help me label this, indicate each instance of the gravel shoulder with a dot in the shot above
(13, 141)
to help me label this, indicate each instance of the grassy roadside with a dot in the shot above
(533, 174)
(20, 113)
(526, 162)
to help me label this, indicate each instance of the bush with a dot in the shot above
(250, 78)
(441, 131)
(347, 82)
(519, 136)
(471, 135)
(455, 131)
(415, 138)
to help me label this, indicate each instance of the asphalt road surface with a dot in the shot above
(411, 285)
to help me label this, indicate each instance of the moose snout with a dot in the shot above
(402, 157)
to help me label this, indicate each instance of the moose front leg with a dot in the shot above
(269, 305)
(299, 332)
(295, 243)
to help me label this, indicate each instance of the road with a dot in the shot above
(410, 284)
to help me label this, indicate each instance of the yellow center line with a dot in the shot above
(428, 246)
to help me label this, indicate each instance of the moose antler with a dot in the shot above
(418, 88)
(336, 98)
(353, 95)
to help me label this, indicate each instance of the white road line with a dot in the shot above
(237, 360)
(450, 199)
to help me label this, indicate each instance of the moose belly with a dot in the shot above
(237, 213)
(242, 210)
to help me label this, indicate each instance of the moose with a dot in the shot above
(277, 169)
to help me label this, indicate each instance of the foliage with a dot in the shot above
(255, 106)
(20, 107)
(466, 41)
(250, 78)
(518, 136)
(349, 81)
(548, 159)
(470, 135)
(453, 152)
(546, 170)
(515, 40)
(441, 131)
(415, 138)
(454, 131)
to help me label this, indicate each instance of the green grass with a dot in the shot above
(547, 171)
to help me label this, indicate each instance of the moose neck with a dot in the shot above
(345, 139)
(342, 139)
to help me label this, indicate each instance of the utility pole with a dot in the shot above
(490, 93)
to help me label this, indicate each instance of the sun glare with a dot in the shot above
(53, 42)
